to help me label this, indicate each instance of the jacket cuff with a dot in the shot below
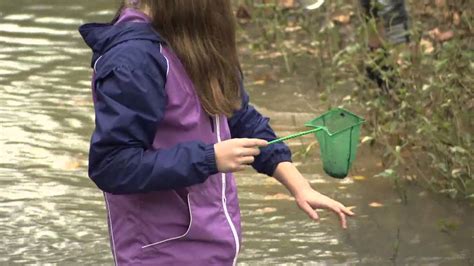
(210, 159)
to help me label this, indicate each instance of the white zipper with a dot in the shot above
(224, 200)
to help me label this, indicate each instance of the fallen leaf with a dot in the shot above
(458, 149)
(456, 19)
(288, 3)
(457, 172)
(434, 33)
(279, 196)
(265, 210)
(359, 177)
(270, 55)
(441, 36)
(68, 164)
(350, 208)
(269, 76)
(367, 139)
(259, 82)
(426, 46)
(445, 36)
(293, 28)
(342, 18)
(376, 205)
(347, 98)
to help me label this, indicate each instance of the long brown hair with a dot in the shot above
(202, 34)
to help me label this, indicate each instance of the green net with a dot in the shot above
(338, 140)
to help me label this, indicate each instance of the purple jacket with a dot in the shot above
(152, 152)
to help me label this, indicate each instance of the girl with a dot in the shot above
(173, 123)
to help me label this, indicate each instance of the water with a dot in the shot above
(51, 213)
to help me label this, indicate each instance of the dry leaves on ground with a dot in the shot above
(279, 196)
(376, 205)
(441, 36)
(342, 18)
(265, 210)
(426, 46)
(359, 177)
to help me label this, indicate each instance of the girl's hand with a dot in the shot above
(235, 154)
(309, 200)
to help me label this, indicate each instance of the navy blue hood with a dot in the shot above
(103, 37)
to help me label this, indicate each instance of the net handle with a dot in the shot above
(297, 135)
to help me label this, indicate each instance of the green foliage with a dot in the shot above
(431, 115)
(426, 122)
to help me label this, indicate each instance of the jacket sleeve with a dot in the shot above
(249, 123)
(129, 106)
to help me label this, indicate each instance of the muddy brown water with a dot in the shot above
(50, 213)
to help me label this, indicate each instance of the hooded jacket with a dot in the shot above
(152, 151)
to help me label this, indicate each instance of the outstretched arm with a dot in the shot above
(275, 160)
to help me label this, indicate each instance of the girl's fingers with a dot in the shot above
(329, 204)
(338, 209)
(340, 212)
(250, 152)
(342, 217)
(247, 160)
(347, 211)
(251, 143)
(309, 211)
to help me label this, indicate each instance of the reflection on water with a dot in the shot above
(51, 212)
